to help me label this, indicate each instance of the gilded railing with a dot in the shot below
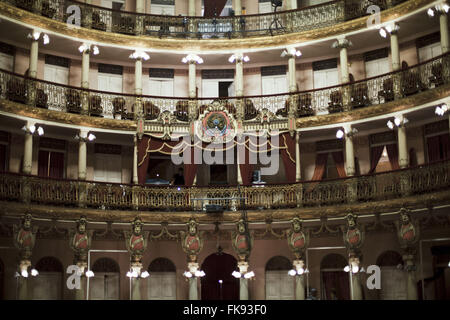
(108, 196)
(281, 22)
(363, 93)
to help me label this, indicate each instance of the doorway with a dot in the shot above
(219, 267)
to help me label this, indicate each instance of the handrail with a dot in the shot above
(132, 23)
(432, 177)
(334, 99)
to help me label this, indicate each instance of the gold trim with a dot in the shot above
(183, 45)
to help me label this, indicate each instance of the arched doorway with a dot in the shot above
(279, 284)
(335, 282)
(2, 277)
(105, 284)
(393, 278)
(48, 284)
(219, 266)
(162, 283)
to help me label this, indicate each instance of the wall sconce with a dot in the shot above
(246, 275)
(238, 57)
(139, 54)
(89, 138)
(135, 272)
(389, 29)
(438, 9)
(341, 133)
(192, 58)
(397, 123)
(85, 47)
(441, 110)
(35, 35)
(291, 52)
(32, 129)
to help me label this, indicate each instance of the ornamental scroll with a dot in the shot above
(136, 242)
(297, 240)
(192, 242)
(242, 241)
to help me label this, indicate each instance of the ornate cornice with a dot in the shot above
(204, 45)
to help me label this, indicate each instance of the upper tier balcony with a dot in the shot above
(85, 21)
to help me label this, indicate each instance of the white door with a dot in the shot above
(377, 67)
(274, 84)
(393, 284)
(430, 51)
(210, 88)
(108, 168)
(110, 82)
(104, 286)
(161, 87)
(6, 62)
(47, 286)
(56, 74)
(279, 286)
(326, 78)
(160, 9)
(162, 286)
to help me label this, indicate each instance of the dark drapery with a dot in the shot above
(43, 163)
(245, 166)
(213, 7)
(143, 159)
(392, 152)
(190, 168)
(321, 164)
(438, 148)
(219, 267)
(2, 157)
(445, 144)
(375, 156)
(56, 165)
(288, 156)
(337, 282)
(338, 158)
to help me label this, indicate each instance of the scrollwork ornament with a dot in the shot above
(242, 241)
(407, 229)
(192, 240)
(353, 234)
(297, 239)
(136, 241)
(25, 237)
(80, 240)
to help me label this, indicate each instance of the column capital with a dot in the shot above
(192, 58)
(139, 55)
(291, 52)
(87, 48)
(342, 42)
(239, 57)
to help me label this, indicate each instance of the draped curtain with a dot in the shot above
(445, 143)
(288, 155)
(438, 148)
(190, 168)
(321, 164)
(143, 159)
(338, 158)
(56, 165)
(392, 152)
(2, 157)
(245, 166)
(213, 6)
(43, 163)
(375, 157)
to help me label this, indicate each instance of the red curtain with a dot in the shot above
(244, 163)
(212, 6)
(338, 158)
(375, 156)
(392, 152)
(287, 154)
(2, 157)
(445, 144)
(43, 163)
(190, 168)
(321, 164)
(56, 165)
(143, 162)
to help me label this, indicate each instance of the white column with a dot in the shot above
(82, 155)
(349, 153)
(136, 293)
(193, 292)
(138, 76)
(192, 76)
(32, 71)
(411, 279)
(237, 7)
(403, 158)
(28, 151)
(298, 173)
(243, 289)
(239, 87)
(343, 44)
(85, 70)
(291, 72)
(300, 287)
(395, 52)
(135, 161)
(140, 6)
(443, 20)
(293, 4)
(191, 8)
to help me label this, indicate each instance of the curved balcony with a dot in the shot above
(245, 26)
(364, 94)
(413, 182)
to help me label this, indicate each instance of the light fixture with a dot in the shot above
(192, 58)
(390, 124)
(449, 264)
(355, 269)
(36, 35)
(132, 274)
(91, 137)
(84, 47)
(187, 274)
(238, 57)
(292, 272)
(24, 273)
(340, 134)
(347, 268)
(439, 8)
(46, 39)
(95, 50)
(221, 281)
(441, 110)
(388, 29)
(383, 33)
(34, 272)
(89, 274)
(33, 129)
(398, 122)
(40, 131)
(236, 274)
(199, 273)
(291, 52)
(430, 12)
(249, 275)
(139, 54)
(145, 274)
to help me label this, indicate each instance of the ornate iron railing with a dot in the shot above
(376, 187)
(104, 19)
(339, 98)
